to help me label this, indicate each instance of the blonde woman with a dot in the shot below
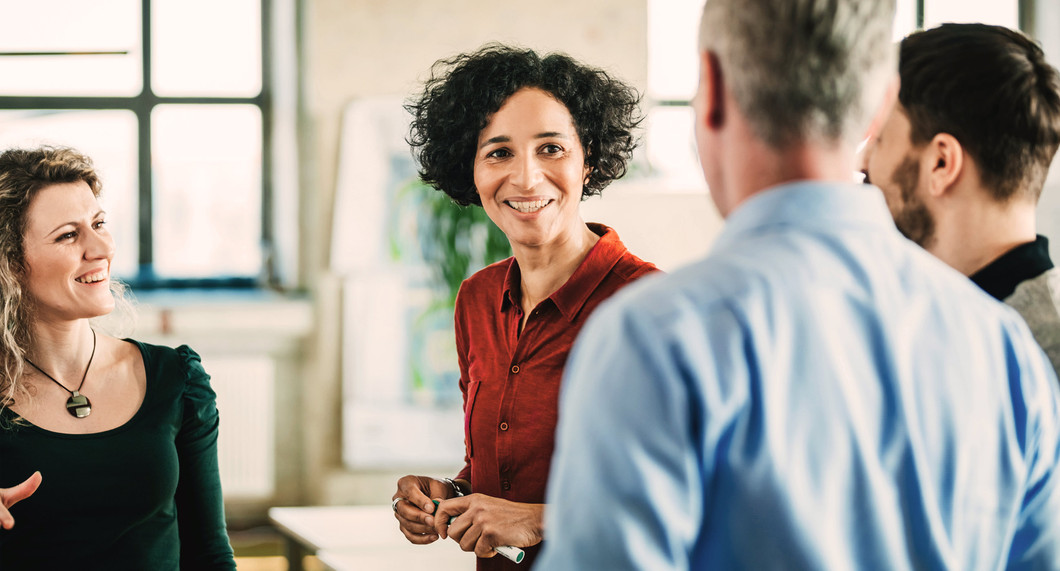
(108, 446)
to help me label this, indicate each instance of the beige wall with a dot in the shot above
(356, 48)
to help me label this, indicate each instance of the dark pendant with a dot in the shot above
(78, 405)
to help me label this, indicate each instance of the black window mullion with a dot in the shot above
(1026, 17)
(64, 103)
(143, 106)
(146, 223)
(265, 103)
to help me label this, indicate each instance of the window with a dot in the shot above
(922, 14)
(673, 36)
(171, 99)
(673, 74)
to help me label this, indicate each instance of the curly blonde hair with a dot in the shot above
(23, 173)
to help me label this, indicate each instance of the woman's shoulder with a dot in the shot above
(493, 273)
(180, 369)
(630, 267)
(180, 364)
(488, 280)
(626, 265)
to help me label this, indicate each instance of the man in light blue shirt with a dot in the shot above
(819, 392)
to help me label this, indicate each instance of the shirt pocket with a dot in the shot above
(469, 406)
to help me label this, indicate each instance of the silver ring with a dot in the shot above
(393, 504)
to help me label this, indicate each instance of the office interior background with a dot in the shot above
(266, 210)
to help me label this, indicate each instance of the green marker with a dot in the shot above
(512, 553)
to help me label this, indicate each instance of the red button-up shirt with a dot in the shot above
(510, 380)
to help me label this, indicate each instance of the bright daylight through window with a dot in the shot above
(672, 42)
(175, 126)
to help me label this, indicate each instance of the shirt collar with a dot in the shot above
(808, 204)
(572, 295)
(1000, 277)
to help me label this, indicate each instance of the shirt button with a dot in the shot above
(506, 485)
(515, 368)
(504, 426)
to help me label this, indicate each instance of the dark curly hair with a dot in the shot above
(463, 92)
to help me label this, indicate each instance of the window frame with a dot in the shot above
(142, 105)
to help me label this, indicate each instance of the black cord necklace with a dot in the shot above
(78, 404)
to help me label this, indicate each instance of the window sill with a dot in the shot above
(222, 313)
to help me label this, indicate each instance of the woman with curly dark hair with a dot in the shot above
(527, 138)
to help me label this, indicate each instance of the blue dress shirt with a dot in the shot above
(818, 393)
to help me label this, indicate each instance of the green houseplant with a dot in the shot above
(453, 242)
(456, 241)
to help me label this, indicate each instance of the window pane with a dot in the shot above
(904, 18)
(999, 12)
(673, 41)
(206, 47)
(114, 156)
(207, 190)
(671, 146)
(70, 26)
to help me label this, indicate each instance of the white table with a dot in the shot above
(348, 538)
(445, 557)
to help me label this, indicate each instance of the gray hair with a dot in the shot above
(803, 69)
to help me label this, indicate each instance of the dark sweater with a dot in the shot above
(145, 495)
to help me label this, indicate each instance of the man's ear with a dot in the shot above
(711, 89)
(947, 163)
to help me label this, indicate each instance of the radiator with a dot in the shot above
(245, 399)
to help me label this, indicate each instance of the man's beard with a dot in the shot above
(912, 218)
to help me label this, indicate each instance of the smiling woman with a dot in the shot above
(70, 262)
(73, 421)
(527, 138)
(529, 171)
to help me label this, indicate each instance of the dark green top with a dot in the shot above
(145, 495)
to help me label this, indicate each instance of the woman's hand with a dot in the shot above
(483, 523)
(11, 496)
(414, 509)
